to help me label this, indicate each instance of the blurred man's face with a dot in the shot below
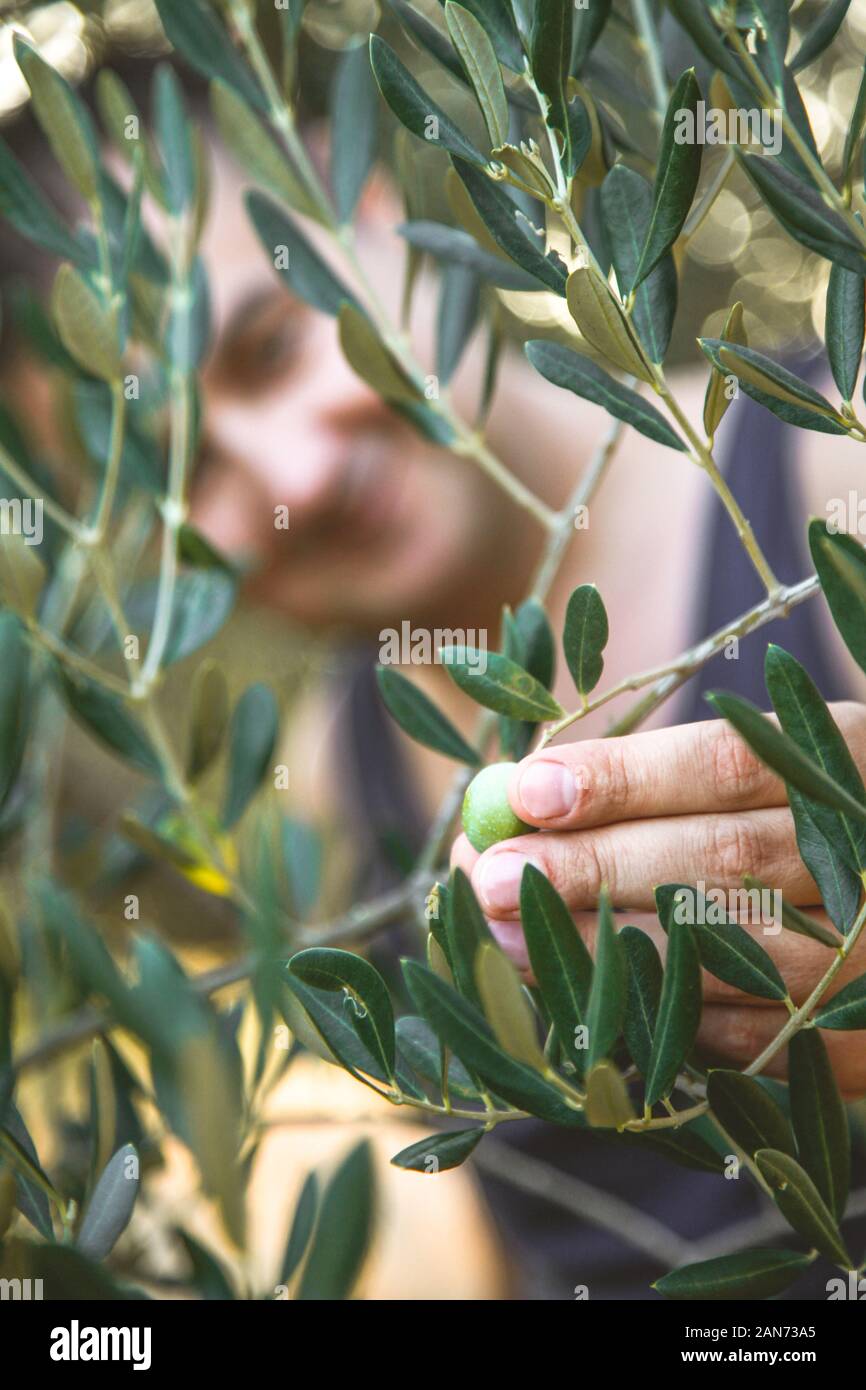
(381, 523)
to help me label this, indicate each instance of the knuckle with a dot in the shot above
(733, 771)
(732, 849)
(584, 869)
(611, 775)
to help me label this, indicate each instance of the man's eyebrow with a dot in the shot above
(248, 309)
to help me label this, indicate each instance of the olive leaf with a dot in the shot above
(645, 975)
(301, 1229)
(412, 106)
(466, 931)
(500, 216)
(626, 205)
(800, 209)
(252, 739)
(441, 1152)
(463, 1029)
(801, 1204)
(63, 118)
(459, 306)
(603, 323)
(87, 329)
(208, 717)
(819, 1119)
(550, 58)
(14, 700)
(845, 327)
(584, 637)
(506, 1007)
(296, 262)
(25, 208)
(343, 1230)
(560, 961)
(494, 681)
(482, 68)
(605, 1007)
(256, 152)
(419, 717)
(679, 1010)
(573, 372)
(192, 27)
(371, 359)
(782, 754)
(172, 130)
(105, 716)
(717, 399)
(111, 1205)
(419, 1045)
(608, 1105)
(354, 130)
(846, 1010)
(748, 1113)
(841, 564)
(774, 387)
(456, 247)
(792, 919)
(820, 34)
(678, 172)
(588, 23)
(746, 1275)
(726, 949)
(371, 1014)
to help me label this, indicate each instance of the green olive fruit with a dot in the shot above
(487, 814)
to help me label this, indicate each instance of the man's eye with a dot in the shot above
(250, 360)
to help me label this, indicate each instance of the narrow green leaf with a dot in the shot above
(605, 1007)
(748, 1113)
(569, 370)
(482, 68)
(626, 205)
(343, 1230)
(602, 322)
(499, 684)
(498, 19)
(354, 130)
(804, 717)
(419, 717)
(819, 1119)
(462, 1028)
(794, 920)
(855, 128)
(801, 1204)
(845, 327)
(63, 118)
(110, 1207)
(252, 738)
(371, 359)
(846, 1010)
(208, 717)
(459, 305)
(820, 34)
(774, 387)
(25, 209)
(645, 976)
(413, 107)
(418, 1044)
(748, 1274)
(679, 1012)
(560, 961)
(373, 1015)
(294, 259)
(500, 216)
(506, 1007)
(550, 57)
(466, 932)
(587, 27)
(608, 1105)
(105, 716)
(726, 949)
(440, 1152)
(456, 247)
(192, 27)
(678, 170)
(172, 129)
(585, 636)
(301, 1229)
(717, 399)
(802, 212)
(254, 149)
(86, 327)
(781, 754)
(841, 564)
(15, 700)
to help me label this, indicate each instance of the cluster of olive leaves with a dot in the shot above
(125, 334)
(480, 1048)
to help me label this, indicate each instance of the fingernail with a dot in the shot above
(500, 880)
(547, 790)
(510, 937)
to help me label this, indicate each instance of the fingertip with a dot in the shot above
(544, 790)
